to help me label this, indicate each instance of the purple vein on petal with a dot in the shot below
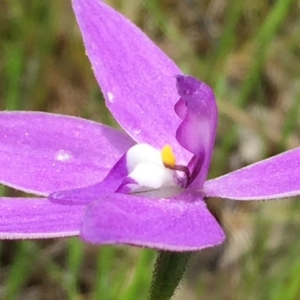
(198, 110)
(276, 177)
(135, 76)
(41, 153)
(168, 224)
(26, 218)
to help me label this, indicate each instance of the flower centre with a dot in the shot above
(168, 157)
(169, 161)
(150, 169)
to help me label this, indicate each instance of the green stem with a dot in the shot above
(169, 270)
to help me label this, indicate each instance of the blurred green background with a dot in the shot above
(249, 52)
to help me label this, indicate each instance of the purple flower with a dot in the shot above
(146, 187)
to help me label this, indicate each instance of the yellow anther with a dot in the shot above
(168, 156)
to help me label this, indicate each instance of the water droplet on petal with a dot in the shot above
(110, 97)
(63, 155)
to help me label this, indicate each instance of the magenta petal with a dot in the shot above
(276, 177)
(96, 191)
(41, 153)
(198, 110)
(168, 224)
(180, 108)
(25, 218)
(135, 76)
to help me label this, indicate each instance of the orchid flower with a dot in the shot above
(142, 186)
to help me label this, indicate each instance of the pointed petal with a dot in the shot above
(25, 218)
(41, 153)
(135, 76)
(276, 177)
(198, 110)
(167, 224)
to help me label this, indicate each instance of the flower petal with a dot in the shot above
(41, 153)
(198, 110)
(96, 191)
(276, 177)
(135, 76)
(176, 224)
(140, 166)
(25, 218)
